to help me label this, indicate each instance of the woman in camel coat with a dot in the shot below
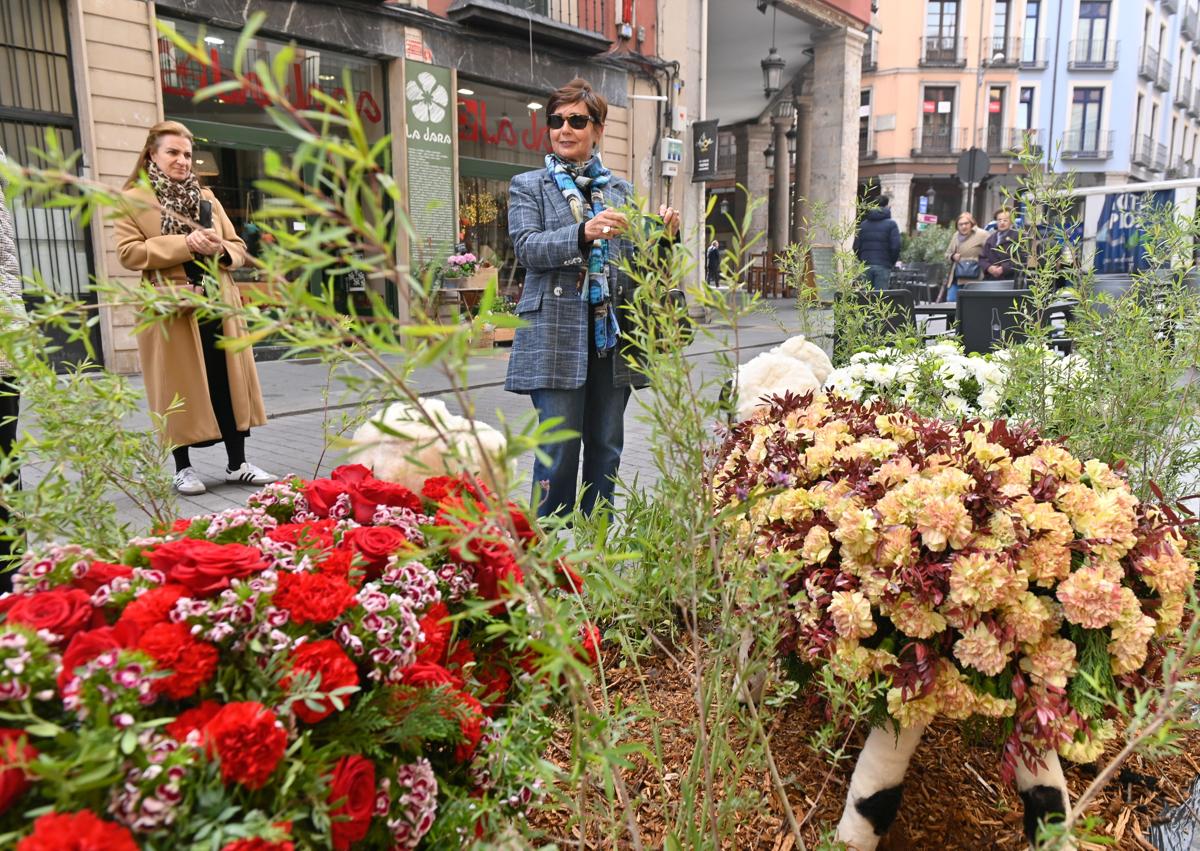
(218, 388)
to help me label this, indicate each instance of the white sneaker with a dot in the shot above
(248, 474)
(187, 482)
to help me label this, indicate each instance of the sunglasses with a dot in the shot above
(578, 121)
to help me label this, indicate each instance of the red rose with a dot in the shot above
(15, 754)
(62, 610)
(470, 725)
(375, 544)
(86, 646)
(203, 567)
(81, 831)
(101, 573)
(173, 647)
(322, 494)
(353, 784)
(369, 494)
(192, 720)
(496, 682)
(248, 740)
(496, 578)
(435, 623)
(313, 597)
(437, 488)
(258, 844)
(306, 536)
(521, 524)
(350, 474)
(151, 607)
(329, 661)
(429, 675)
(567, 577)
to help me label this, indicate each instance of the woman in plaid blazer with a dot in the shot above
(568, 358)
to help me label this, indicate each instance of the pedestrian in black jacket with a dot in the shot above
(878, 243)
(1001, 255)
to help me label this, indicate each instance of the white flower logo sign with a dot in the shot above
(427, 97)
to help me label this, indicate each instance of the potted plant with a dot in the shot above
(458, 266)
(504, 306)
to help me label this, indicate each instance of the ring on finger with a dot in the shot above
(605, 230)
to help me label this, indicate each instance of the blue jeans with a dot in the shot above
(596, 411)
(879, 276)
(952, 292)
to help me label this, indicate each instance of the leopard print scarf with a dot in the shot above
(179, 199)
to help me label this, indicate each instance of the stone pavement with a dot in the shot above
(294, 439)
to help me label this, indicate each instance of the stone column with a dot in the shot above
(802, 211)
(781, 204)
(837, 68)
(752, 174)
(899, 188)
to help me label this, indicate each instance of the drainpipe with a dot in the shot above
(701, 230)
(1054, 84)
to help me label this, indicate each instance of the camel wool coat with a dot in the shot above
(172, 359)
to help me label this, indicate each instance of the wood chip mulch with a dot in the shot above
(953, 796)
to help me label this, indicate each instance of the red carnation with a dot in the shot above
(375, 544)
(567, 577)
(248, 740)
(15, 755)
(337, 562)
(313, 597)
(203, 567)
(429, 675)
(63, 611)
(368, 494)
(101, 573)
(437, 488)
(152, 607)
(86, 646)
(496, 682)
(460, 660)
(350, 474)
(192, 720)
(436, 626)
(495, 576)
(308, 536)
(192, 663)
(589, 645)
(322, 494)
(470, 724)
(258, 844)
(327, 660)
(81, 831)
(353, 783)
(520, 521)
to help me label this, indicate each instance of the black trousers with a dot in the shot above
(10, 404)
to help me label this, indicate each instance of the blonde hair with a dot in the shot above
(153, 137)
(968, 216)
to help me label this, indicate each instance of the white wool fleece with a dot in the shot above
(809, 353)
(771, 374)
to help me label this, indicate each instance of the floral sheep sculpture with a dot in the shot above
(795, 366)
(968, 569)
(400, 444)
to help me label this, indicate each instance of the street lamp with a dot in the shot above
(930, 195)
(772, 66)
(723, 208)
(791, 142)
(769, 156)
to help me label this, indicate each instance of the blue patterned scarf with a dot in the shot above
(583, 184)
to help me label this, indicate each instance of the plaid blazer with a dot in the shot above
(551, 351)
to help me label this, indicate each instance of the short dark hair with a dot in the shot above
(579, 90)
(885, 200)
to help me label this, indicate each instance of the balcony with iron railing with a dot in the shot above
(1160, 158)
(870, 59)
(1092, 55)
(1033, 53)
(1010, 141)
(943, 51)
(939, 141)
(1188, 26)
(866, 148)
(1003, 52)
(1148, 64)
(1180, 168)
(1166, 69)
(1143, 153)
(573, 24)
(1183, 95)
(1087, 145)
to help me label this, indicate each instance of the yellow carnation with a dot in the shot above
(817, 546)
(851, 614)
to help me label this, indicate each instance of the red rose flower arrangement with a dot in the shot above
(271, 637)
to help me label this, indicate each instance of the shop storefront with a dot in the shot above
(233, 130)
(501, 133)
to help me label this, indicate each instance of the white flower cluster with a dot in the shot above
(938, 380)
